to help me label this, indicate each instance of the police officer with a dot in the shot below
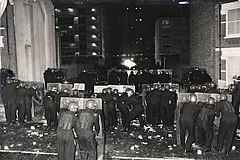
(153, 113)
(211, 88)
(106, 100)
(172, 107)
(188, 116)
(123, 110)
(236, 98)
(228, 123)
(21, 107)
(165, 108)
(113, 112)
(205, 124)
(85, 133)
(116, 96)
(137, 108)
(5, 98)
(64, 93)
(50, 110)
(31, 92)
(65, 136)
(75, 93)
(12, 99)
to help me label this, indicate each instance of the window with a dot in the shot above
(165, 22)
(223, 69)
(233, 23)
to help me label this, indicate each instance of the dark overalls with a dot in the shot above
(65, 137)
(188, 116)
(227, 126)
(86, 136)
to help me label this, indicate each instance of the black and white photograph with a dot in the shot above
(119, 79)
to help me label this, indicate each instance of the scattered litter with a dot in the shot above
(233, 147)
(34, 143)
(145, 143)
(151, 130)
(19, 144)
(132, 148)
(170, 149)
(136, 146)
(135, 124)
(170, 135)
(40, 135)
(5, 148)
(199, 151)
(162, 137)
(149, 137)
(12, 145)
(112, 132)
(195, 146)
(140, 137)
(174, 145)
(131, 134)
(158, 136)
(32, 127)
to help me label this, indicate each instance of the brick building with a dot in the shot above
(215, 38)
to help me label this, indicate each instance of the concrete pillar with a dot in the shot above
(35, 38)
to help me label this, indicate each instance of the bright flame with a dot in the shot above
(128, 63)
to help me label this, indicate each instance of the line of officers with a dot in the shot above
(158, 105)
(200, 118)
(17, 100)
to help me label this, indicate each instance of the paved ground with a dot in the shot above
(153, 143)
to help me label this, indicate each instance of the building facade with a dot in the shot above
(172, 44)
(229, 31)
(79, 31)
(29, 39)
(214, 38)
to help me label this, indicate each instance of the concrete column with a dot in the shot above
(35, 38)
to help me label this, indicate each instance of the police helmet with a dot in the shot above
(115, 91)
(21, 84)
(109, 90)
(156, 87)
(232, 87)
(167, 87)
(34, 86)
(211, 100)
(212, 85)
(66, 90)
(223, 96)
(193, 98)
(90, 104)
(192, 87)
(54, 89)
(75, 92)
(129, 92)
(72, 106)
(104, 91)
(199, 87)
